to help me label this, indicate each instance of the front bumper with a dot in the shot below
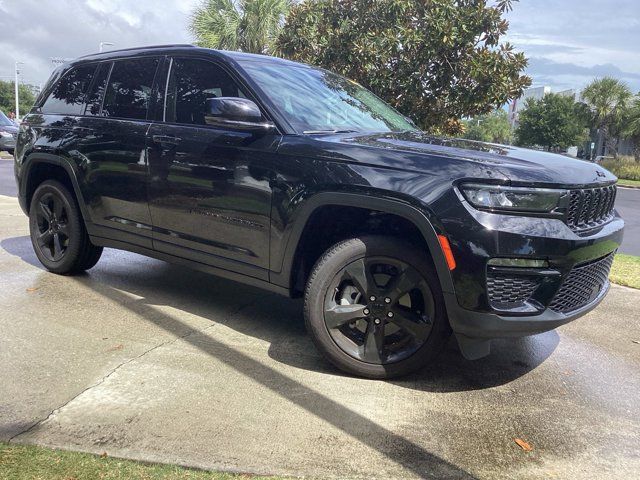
(477, 236)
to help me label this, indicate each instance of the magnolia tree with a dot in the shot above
(435, 61)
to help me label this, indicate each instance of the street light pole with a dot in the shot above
(16, 90)
(102, 44)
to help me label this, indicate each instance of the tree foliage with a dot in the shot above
(245, 25)
(492, 127)
(607, 99)
(435, 61)
(8, 98)
(554, 122)
(631, 125)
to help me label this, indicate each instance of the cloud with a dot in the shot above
(36, 30)
(570, 43)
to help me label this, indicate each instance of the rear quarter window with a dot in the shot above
(68, 96)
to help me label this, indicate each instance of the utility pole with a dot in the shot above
(102, 45)
(16, 90)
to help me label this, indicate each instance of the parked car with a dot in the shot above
(8, 133)
(299, 181)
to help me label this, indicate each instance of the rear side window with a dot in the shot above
(129, 91)
(68, 96)
(94, 98)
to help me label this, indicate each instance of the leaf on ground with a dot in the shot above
(636, 341)
(103, 455)
(32, 289)
(115, 348)
(523, 445)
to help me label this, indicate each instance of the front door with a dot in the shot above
(209, 189)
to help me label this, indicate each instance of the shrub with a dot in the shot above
(624, 167)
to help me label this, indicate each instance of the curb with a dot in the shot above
(630, 187)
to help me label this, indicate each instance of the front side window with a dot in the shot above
(191, 83)
(129, 91)
(68, 96)
(315, 100)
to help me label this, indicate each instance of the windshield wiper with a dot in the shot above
(320, 132)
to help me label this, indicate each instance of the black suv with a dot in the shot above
(302, 182)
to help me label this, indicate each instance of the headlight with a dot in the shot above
(514, 199)
(5, 134)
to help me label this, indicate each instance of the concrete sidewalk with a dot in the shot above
(150, 361)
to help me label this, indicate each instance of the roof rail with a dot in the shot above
(143, 47)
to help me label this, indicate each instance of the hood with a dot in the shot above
(520, 165)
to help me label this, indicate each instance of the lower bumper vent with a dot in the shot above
(583, 285)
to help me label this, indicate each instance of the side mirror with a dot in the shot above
(235, 112)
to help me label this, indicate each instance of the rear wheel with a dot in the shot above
(58, 235)
(374, 307)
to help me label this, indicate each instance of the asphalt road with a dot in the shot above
(150, 361)
(627, 203)
(7, 179)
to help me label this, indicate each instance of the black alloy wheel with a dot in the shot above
(374, 307)
(58, 234)
(379, 310)
(53, 229)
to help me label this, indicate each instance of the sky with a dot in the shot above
(568, 42)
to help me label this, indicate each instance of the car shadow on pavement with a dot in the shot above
(278, 320)
(157, 283)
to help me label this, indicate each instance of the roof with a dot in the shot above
(232, 55)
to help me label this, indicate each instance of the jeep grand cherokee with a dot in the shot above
(302, 182)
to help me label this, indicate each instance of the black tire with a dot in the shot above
(425, 335)
(58, 234)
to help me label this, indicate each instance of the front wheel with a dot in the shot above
(58, 235)
(374, 307)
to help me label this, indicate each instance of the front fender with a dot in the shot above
(427, 224)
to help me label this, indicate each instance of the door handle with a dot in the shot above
(166, 139)
(83, 130)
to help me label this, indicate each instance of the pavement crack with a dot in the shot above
(124, 363)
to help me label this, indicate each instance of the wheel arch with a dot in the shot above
(420, 218)
(44, 166)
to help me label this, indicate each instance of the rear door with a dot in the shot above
(209, 191)
(109, 143)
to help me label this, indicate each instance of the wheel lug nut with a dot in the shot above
(366, 311)
(372, 298)
(387, 300)
(377, 321)
(390, 314)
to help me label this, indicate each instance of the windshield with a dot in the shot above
(5, 122)
(316, 101)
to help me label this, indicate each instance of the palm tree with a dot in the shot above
(245, 25)
(607, 99)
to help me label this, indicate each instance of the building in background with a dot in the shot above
(519, 104)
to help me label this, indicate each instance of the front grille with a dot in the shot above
(508, 291)
(590, 207)
(582, 285)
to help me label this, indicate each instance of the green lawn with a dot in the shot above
(628, 183)
(18, 462)
(626, 270)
